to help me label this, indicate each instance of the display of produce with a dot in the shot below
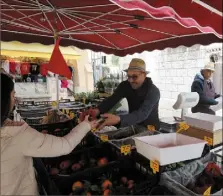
(212, 176)
(98, 168)
(54, 116)
(96, 156)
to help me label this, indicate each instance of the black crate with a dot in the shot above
(58, 129)
(45, 184)
(114, 171)
(43, 103)
(32, 114)
(160, 190)
(33, 121)
(144, 163)
(88, 141)
(82, 157)
(64, 100)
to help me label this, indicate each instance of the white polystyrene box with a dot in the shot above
(169, 148)
(204, 121)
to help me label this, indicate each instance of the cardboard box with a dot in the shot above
(215, 136)
(204, 121)
(169, 148)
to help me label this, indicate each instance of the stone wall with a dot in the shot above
(173, 71)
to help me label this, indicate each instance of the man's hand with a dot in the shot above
(110, 119)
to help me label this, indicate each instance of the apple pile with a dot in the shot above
(68, 167)
(211, 176)
(104, 186)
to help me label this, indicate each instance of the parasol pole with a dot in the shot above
(57, 79)
(208, 7)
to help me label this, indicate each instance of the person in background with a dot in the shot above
(142, 96)
(20, 143)
(35, 71)
(205, 88)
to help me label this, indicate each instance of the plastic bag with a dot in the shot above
(176, 181)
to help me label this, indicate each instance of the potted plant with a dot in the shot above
(83, 97)
(109, 87)
(100, 86)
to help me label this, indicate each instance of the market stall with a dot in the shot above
(101, 164)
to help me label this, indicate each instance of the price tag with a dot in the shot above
(182, 126)
(72, 115)
(155, 166)
(207, 192)
(126, 149)
(104, 138)
(67, 111)
(151, 128)
(208, 140)
(54, 103)
(94, 129)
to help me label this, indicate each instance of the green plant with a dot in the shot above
(82, 95)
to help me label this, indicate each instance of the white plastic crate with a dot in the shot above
(204, 121)
(169, 148)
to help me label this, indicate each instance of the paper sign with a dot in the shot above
(67, 111)
(208, 140)
(155, 166)
(104, 138)
(207, 192)
(63, 110)
(151, 128)
(72, 115)
(182, 127)
(126, 149)
(94, 129)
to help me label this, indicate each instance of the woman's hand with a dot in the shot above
(93, 123)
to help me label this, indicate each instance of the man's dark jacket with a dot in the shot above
(143, 103)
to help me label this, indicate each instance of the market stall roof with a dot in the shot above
(18, 49)
(113, 26)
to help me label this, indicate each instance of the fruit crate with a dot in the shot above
(32, 114)
(88, 141)
(116, 178)
(58, 129)
(120, 145)
(33, 121)
(195, 177)
(144, 164)
(77, 161)
(45, 184)
(43, 103)
(121, 132)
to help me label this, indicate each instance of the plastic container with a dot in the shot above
(204, 121)
(169, 148)
(113, 171)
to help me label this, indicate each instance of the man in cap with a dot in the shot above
(205, 88)
(142, 96)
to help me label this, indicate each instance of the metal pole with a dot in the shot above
(57, 80)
